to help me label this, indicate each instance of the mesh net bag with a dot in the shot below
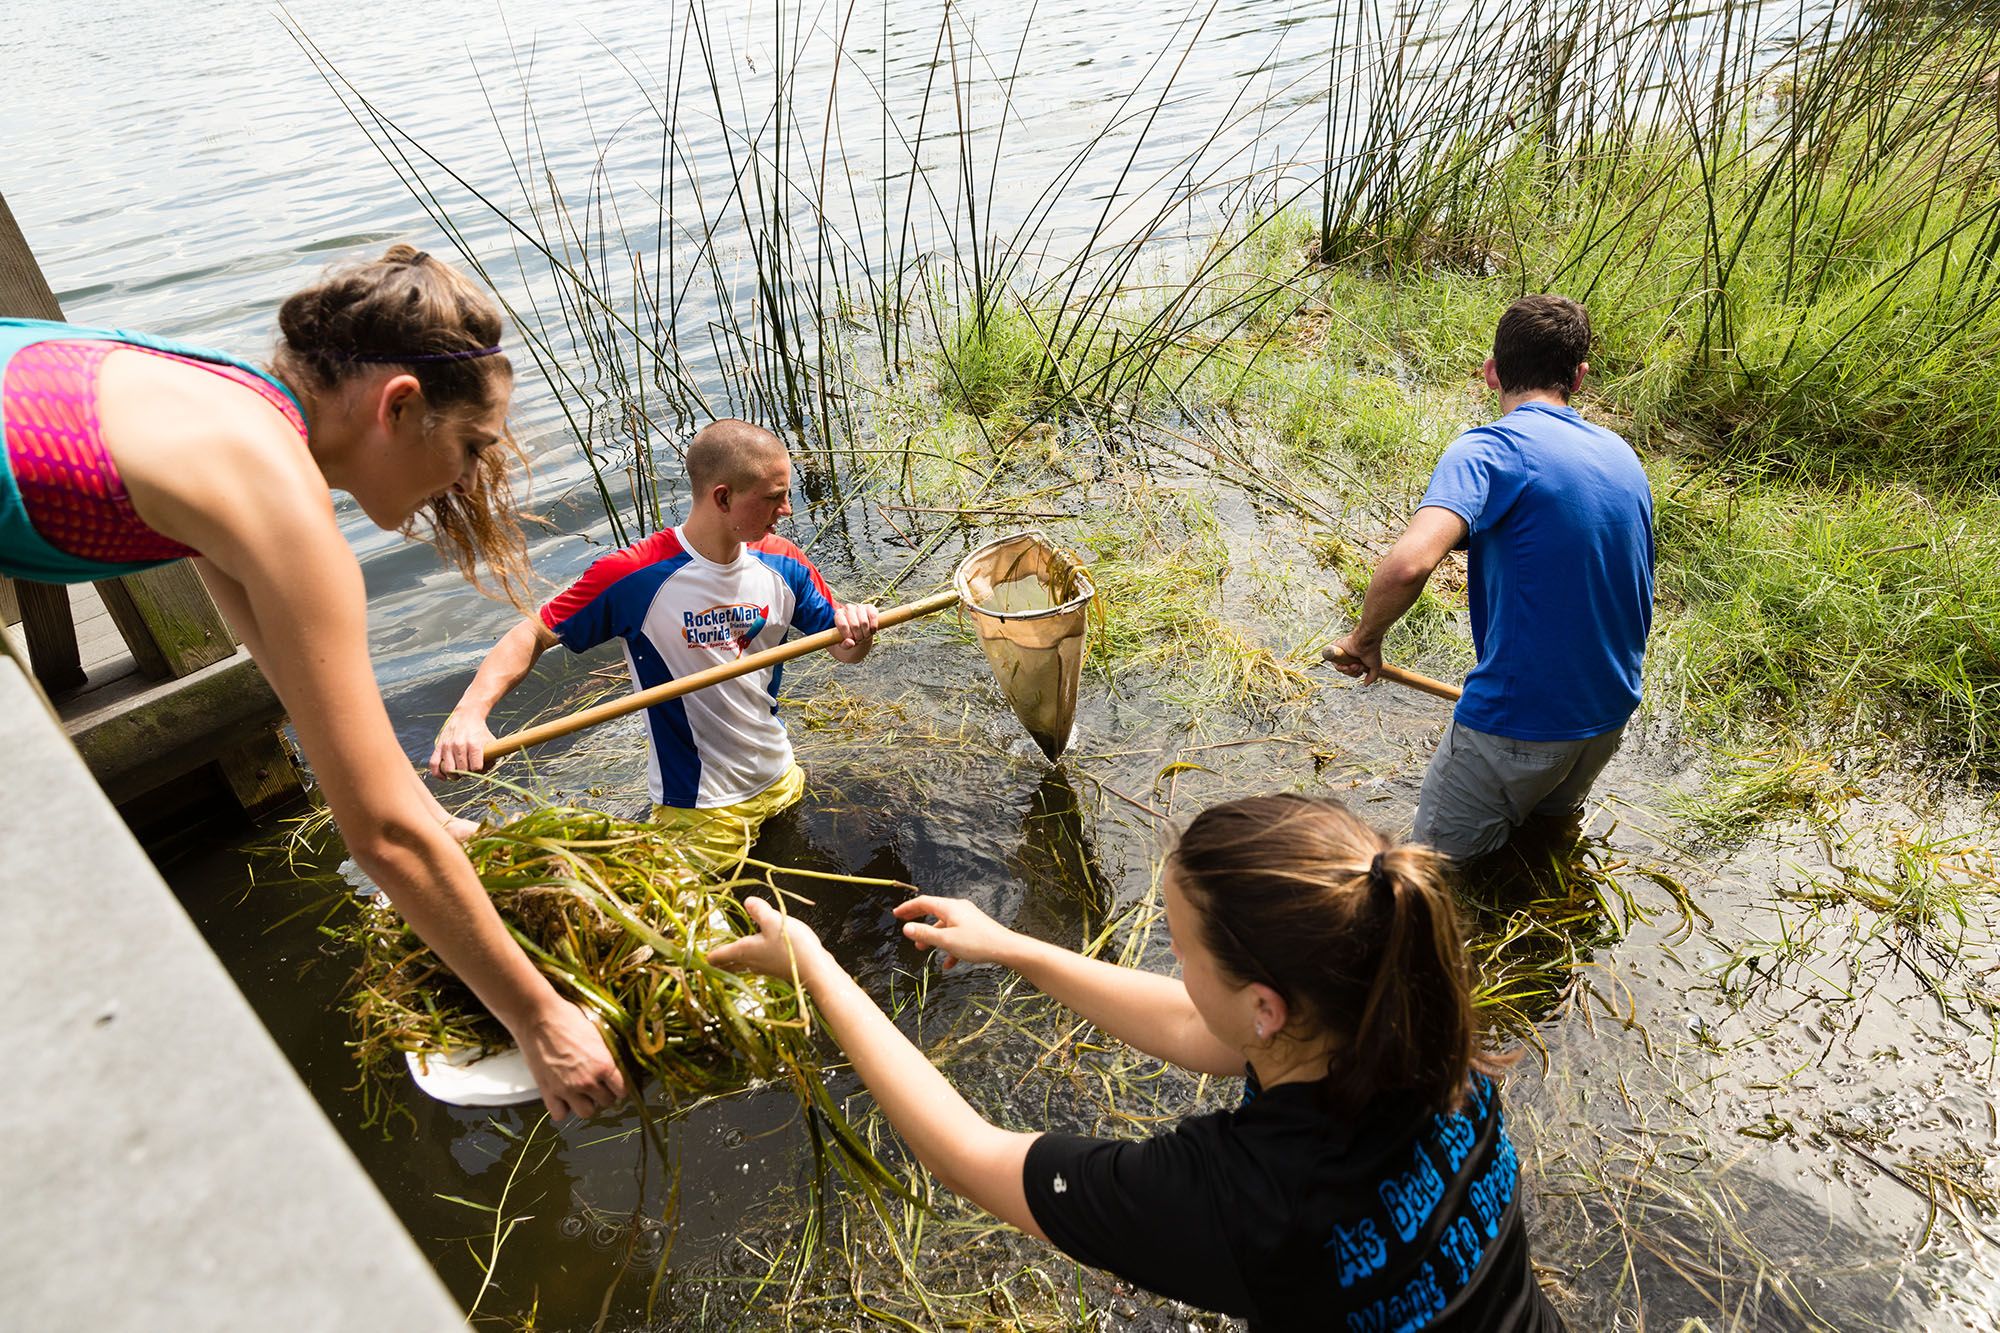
(1030, 603)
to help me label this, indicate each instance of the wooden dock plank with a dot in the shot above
(138, 733)
(98, 641)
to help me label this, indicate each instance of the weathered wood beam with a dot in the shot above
(141, 740)
(51, 634)
(171, 603)
(133, 629)
(262, 774)
(24, 292)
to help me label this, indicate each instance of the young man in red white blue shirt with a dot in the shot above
(719, 586)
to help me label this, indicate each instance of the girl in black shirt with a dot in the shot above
(1366, 1182)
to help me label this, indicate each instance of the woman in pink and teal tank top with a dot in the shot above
(124, 451)
(65, 516)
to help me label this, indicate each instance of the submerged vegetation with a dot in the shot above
(621, 919)
(1224, 383)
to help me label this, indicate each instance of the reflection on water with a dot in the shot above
(1066, 893)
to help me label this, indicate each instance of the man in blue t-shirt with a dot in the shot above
(1557, 518)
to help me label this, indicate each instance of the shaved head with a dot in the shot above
(731, 453)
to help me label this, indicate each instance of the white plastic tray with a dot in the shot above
(474, 1078)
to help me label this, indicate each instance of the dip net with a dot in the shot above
(1030, 603)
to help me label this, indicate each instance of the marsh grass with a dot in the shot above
(1159, 557)
(998, 365)
(1866, 609)
(1747, 790)
(1787, 241)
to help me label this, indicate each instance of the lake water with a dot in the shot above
(183, 174)
(181, 170)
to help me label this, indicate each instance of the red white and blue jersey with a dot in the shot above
(679, 613)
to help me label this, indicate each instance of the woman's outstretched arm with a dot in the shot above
(287, 580)
(1141, 1009)
(972, 1158)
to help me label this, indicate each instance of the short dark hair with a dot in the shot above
(730, 453)
(1540, 343)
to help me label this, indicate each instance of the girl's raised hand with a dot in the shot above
(961, 932)
(781, 944)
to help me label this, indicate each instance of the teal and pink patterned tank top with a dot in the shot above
(65, 516)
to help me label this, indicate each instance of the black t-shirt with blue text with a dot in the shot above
(1277, 1212)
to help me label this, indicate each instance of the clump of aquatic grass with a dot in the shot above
(995, 361)
(621, 919)
(1750, 789)
(846, 739)
(1929, 881)
(1539, 910)
(1159, 557)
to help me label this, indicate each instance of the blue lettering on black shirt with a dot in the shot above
(1359, 1250)
(1411, 1196)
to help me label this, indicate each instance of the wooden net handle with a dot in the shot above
(1408, 679)
(674, 689)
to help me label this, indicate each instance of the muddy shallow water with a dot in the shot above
(1726, 1129)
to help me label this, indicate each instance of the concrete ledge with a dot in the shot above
(163, 1166)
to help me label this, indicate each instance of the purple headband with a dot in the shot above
(397, 358)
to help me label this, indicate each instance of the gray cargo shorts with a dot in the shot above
(1480, 787)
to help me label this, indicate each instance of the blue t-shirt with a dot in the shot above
(1560, 521)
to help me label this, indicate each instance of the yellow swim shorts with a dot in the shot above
(719, 836)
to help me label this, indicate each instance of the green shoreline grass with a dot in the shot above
(1852, 605)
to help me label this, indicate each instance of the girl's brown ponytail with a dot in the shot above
(1359, 934)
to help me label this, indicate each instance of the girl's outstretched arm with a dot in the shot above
(970, 1157)
(1141, 1009)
